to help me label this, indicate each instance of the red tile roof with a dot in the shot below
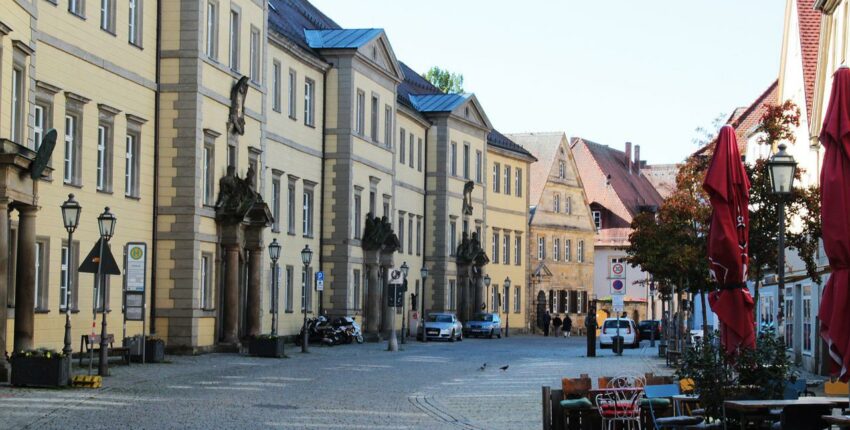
(809, 21)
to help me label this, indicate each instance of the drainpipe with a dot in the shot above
(155, 166)
(424, 228)
(322, 179)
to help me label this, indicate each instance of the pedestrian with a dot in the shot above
(556, 324)
(547, 319)
(568, 325)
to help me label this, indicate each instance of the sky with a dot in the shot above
(645, 71)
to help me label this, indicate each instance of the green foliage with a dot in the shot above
(39, 353)
(445, 80)
(707, 366)
(766, 367)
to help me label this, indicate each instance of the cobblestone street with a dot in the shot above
(426, 386)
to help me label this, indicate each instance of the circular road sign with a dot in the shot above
(618, 268)
(618, 285)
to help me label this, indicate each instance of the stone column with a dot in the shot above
(463, 285)
(231, 296)
(254, 291)
(373, 294)
(25, 279)
(478, 292)
(387, 313)
(4, 285)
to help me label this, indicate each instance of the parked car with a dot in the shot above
(443, 326)
(647, 327)
(484, 324)
(628, 330)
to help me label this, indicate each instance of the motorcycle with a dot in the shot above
(349, 328)
(341, 330)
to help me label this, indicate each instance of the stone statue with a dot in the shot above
(467, 197)
(236, 196)
(378, 235)
(479, 256)
(237, 105)
(470, 252)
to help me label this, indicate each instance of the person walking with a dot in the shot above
(568, 325)
(547, 320)
(556, 324)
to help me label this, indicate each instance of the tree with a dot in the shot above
(445, 80)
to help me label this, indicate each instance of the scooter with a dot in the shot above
(350, 329)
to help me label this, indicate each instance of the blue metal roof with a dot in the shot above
(340, 39)
(438, 102)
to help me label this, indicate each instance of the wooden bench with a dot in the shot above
(86, 348)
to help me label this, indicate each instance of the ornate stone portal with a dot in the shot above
(470, 260)
(379, 243)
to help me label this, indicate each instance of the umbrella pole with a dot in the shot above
(704, 314)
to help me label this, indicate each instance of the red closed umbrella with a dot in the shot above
(728, 188)
(835, 219)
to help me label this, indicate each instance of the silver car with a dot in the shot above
(484, 324)
(443, 326)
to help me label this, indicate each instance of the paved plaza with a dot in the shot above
(437, 385)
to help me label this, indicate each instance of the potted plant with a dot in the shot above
(266, 345)
(154, 350)
(40, 368)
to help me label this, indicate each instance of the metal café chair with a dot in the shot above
(654, 394)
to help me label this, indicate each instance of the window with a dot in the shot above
(568, 205)
(291, 93)
(388, 126)
(541, 247)
(419, 154)
(207, 173)
(69, 164)
(506, 295)
(597, 219)
(231, 155)
(276, 93)
(107, 15)
(582, 308)
(400, 231)
(307, 213)
(494, 299)
(506, 249)
(356, 278)
(453, 158)
(77, 7)
(290, 211)
(255, 55)
(518, 182)
(568, 250)
(572, 302)
(68, 272)
(357, 209)
(419, 236)
(495, 248)
(212, 30)
(466, 160)
(478, 165)
(102, 157)
(508, 180)
(41, 267)
(410, 236)
(134, 21)
(556, 249)
(452, 295)
(562, 170)
(206, 285)
(410, 152)
(580, 251)
(131, 176)
(374, 120)
(359, 126)
(309, 102)
(518, 250)
(564, 301)
(289, 288)
(496, 173)
(517, 298)
(276, 202)
(306, 290)
(38, 126)
(17, 124)
(402, 145)
(372, 202)
(807, 319)
(556, 203)
(452, 237)
(233, 54)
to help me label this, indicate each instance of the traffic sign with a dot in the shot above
(618, 304)
(618, 270)
(320, 281)
(396, 277)
(618, 287)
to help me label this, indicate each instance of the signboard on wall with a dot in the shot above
(136, 267)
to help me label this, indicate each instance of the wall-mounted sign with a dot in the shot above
(136, 267)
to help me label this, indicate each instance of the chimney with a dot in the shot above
(629, 157)
(637, 159)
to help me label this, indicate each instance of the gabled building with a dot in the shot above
(616, 191)
(561, 249)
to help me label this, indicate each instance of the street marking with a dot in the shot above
(180, 387)
(62, 401)
(477, 395)
(234, 377)
(362, 412)
(232, 388)
(285, 378)
(261, 384)
(335, 426)
(54, 406)
(208, 382)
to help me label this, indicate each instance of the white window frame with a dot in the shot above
(541, 247)
(276, 86)
(518, 182)
(556, 249)
(453, 158)
(309, 102)
(506, 249)
(107, 16)
(64, 266)
(235, 22)
(597, 219)
(38, 126)
(568, 250)
(212, 30)
(18, 98)
(255, 53)
(360, 114)
(102, 154)
(131, 175)
(293, 81)
(580, 251)
(402, 146)
(134, 30)
(507, 178)
(479, 163)
(388, 126)
(518, 250)
(276, 203)
(307, 213)
(70, 142)
(556, 203)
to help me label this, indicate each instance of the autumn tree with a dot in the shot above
(445, 80)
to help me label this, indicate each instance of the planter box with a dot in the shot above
(154, 351)
(40, 371)
(266, 347)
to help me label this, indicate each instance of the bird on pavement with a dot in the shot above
(483, 366)
(505, 367)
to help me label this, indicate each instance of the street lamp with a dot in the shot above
(405, 269)
(782, 168)
(423, 273)
(652, 310)
(274, 254)
(306, 256)
(505, 304)
(71, 218)
(106, 225)
(487, 281)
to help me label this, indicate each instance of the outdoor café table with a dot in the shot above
(628, 391)
(749, 406)
(837, 420)
(681, 399)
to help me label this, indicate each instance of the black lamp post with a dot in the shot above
(782, 168)
(652, 310)
(405, 269)
(506, 305)
(306, 256)
(423, 273)
(106, 224)
(487, 281)
(71, 219)
(274, 254)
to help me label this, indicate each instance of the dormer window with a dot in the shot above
(466, 112)
(597, 219)
(562, 170)
(375, 53)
